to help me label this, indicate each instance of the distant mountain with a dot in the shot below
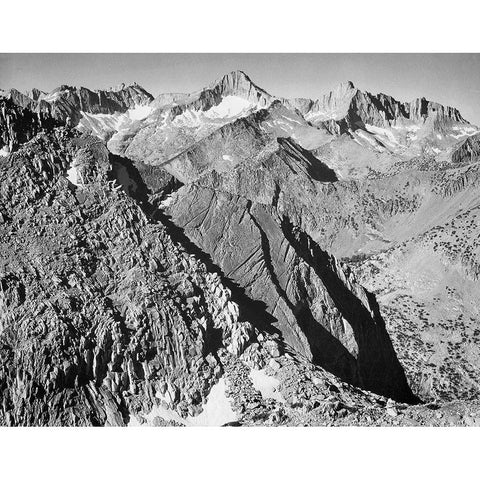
(156, 130)
(347, 107)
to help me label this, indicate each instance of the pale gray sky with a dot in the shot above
(451, 79)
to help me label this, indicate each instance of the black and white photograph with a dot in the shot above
(239, 239)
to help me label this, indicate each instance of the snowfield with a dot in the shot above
(266, 385)
(102, 123)
(74, 176)
(216, 411)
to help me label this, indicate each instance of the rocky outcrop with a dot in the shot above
(18, 123)
(103, 315)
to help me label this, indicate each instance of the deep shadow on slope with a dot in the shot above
(381, 364)
(316, 169)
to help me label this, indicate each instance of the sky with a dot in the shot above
(451, 79)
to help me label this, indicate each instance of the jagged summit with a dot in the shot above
(348, 108)
(34, 93)
(123, 86)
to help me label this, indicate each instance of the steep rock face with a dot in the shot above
(21, 100)
(332, 106)
(102, 112)
(321, 311)
(35, 93)
(422, 108)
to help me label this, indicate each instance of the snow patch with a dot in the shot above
(413, 128)
(102, 123)
(464, 132)
(74, 176)
(290, 119)
(139, 112)
(51, 97)
(166, 202)
(465, 129)
(216, 411)
(4, 151)
(230, 106)
(370, 140)
(382, 132)
(266, 385)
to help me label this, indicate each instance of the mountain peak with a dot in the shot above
(125, 86)
(235, 79)
(238, 83)
(240, 74)
(347, 85)
(344, 89)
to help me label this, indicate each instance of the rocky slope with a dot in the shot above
(102, 313)
(105, 317)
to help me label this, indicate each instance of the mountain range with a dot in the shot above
(231, 257)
